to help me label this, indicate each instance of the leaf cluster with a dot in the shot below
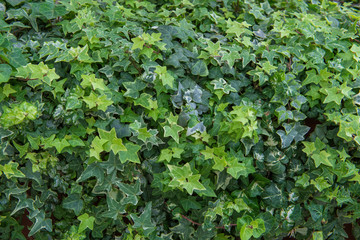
(193, 119)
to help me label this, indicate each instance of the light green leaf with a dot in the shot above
(92, 81)
(237, 28)
(165, 76)
(303, 180)
(322, 158)
(40, 71)
(86, 221)
(183, 178)
(237, 169)
(109, 141)
(268, 68)
(320, 183)
(91, 100)
(333, 95)
(138, 43)
(11, 170)
(356, 49)
(318, 235)
(60, 144)
(173, 131)
(7, 90)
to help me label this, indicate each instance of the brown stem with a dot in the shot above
(289, 64)
(133, 62)
(18, 30)
(352, 39)
(299, 32)
(193, 222)
(25, 79)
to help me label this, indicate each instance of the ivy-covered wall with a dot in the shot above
(185, 119)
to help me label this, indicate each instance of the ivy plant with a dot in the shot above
(192, 119)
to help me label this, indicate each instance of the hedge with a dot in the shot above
(184, 119)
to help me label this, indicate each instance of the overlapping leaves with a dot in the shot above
(179, 119)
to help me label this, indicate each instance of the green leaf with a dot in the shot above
(165, 76)
(144, 222)
(72, 102)
(237, 28)
(16, 58)
(145, 100)
(356, 49)
(130, 190)
(309, 148)
(169, 153)
(268, 68)
(312, 77)
(247, 57)
(18, 113)
(246, 232)
(273, 196)
(293, 132)
(316, 211)
(113, 143)
(138, 43)
(322, 158)
(131, 154)
(173, 131)
(86, 221)
(320, 183)
(11, 170)
(94, 100)
(190, 204)
(223, 85)
(318, 235)
(200, 69)
(41, 223)
(60, 144)
(184, 178)
(112, 164)
(73, 202)
(231, 57)
(133, 88)
(213, 48)
(259, 227)
(93, 170)
(303, 180)
(91, 100)
(5, 72)
(92, 81)
(22, 148)
(184, 229)
(333, 95)
(40, 71)
(237, 169)
(7, 90)
(15, 2)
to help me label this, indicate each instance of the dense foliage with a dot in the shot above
(185, 119)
